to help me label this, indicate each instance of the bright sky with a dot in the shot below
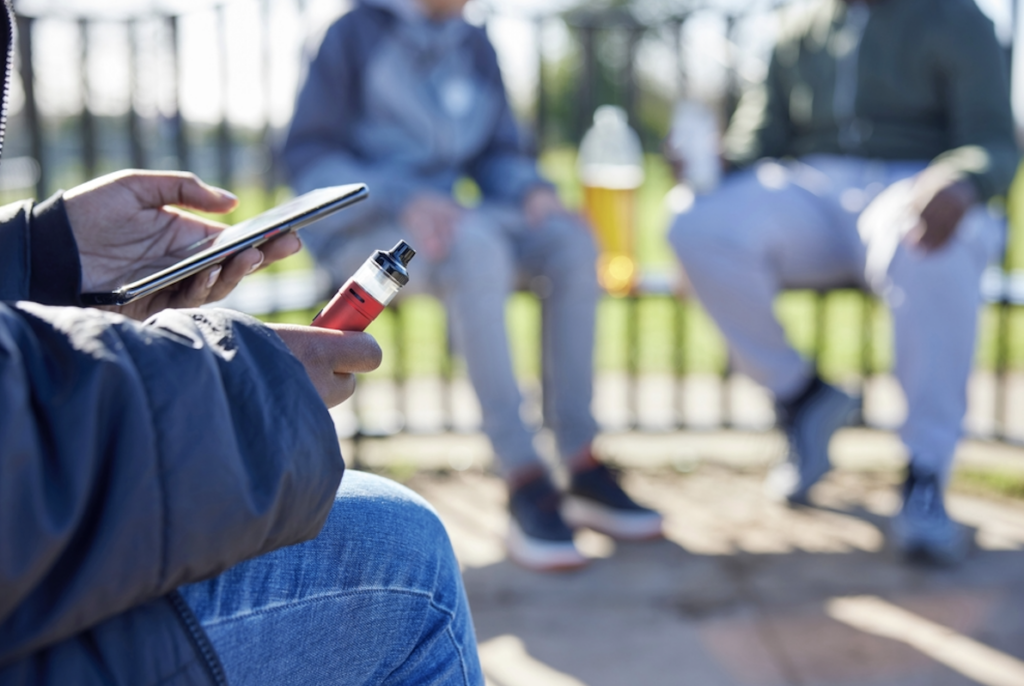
(296, 23)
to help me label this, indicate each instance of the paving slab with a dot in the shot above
(743, 591)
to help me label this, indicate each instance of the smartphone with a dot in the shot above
(290, 216)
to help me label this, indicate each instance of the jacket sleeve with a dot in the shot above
(317, 151)
(760, 127)
(973, 69)
(38, 254)
(138, 457)
(502, 170)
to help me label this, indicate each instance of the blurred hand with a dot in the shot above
(331, 358)
(541, 203)
(431, 219)
(126, 227)
(674, 159)
(941, 199)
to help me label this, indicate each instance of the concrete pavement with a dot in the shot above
(743, 591)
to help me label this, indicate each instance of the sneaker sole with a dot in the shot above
(624, 526)
(927, 550)
(542, 556)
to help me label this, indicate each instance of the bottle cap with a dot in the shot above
(394, 262)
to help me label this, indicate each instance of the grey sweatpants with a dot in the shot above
(825, 221)
(494, 250)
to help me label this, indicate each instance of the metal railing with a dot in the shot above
(49, 147)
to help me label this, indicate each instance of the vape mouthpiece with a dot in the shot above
(402, 252)
(393, 262)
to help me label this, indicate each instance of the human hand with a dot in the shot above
(331, 358)
(541, 203)
(941, 200)
(675, 160)
(125, 226)
(431, 219)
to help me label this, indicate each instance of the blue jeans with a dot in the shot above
(376, 598)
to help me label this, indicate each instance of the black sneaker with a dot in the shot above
(596, 500)
(538, 537)
(809, 424)
(922, 531)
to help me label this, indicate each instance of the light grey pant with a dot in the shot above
(827, 221)
(494, 250)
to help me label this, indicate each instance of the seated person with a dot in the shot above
(406, 96)
(169, 501)
(868, 155)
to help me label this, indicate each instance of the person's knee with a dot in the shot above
(698, 230)
(402, 528)
(480, 258)
(569, 247)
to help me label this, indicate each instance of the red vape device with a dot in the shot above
(367, 293)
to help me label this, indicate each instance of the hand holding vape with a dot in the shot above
(368, 292)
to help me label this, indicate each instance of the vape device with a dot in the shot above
(369, 291)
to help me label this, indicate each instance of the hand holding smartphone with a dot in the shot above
(217, 248)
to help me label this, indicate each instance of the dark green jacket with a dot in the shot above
(920, 80)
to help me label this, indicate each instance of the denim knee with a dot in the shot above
(397, 535)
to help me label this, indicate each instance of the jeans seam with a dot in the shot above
(323, 597)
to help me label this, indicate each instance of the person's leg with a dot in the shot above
(560, 252)
(376, 598)
(764, 229)
(934, 299)
(474, 282)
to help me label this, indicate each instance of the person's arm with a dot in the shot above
(317, 151)
(760, 127)
(138, 457)
(502, 169)
(973, 73)
(38, 255)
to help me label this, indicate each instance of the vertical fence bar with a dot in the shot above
(181, 146)
(867, 351)
(587, 84)
(541, 113)
(1000, 421)
(138, 151)
(31, 109)
(679, 363)
(86, 122)
(270, 172)
(225, 171)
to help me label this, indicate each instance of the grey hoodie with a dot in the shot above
(404, 104)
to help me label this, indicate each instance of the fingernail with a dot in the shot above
(228, 194)
(257, 265)
(212, 278)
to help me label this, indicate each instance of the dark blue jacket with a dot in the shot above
(134, 458)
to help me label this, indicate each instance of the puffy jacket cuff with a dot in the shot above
(55, 271)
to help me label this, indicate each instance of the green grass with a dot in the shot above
(988, 482)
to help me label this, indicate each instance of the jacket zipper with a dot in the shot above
(199, 639)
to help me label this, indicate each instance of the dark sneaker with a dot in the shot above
(596, 500)
(809, 424)
(922, 531)
(538, 538)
